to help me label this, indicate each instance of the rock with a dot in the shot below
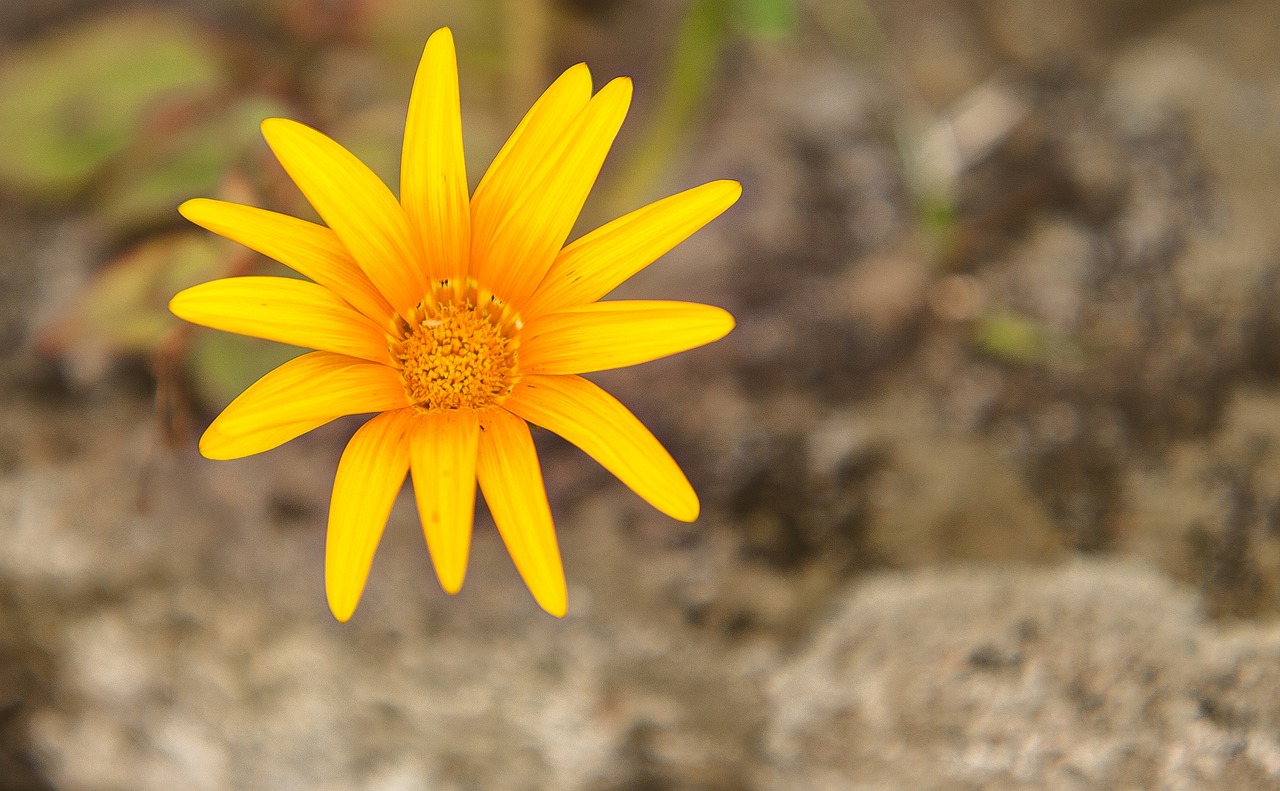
(1095, 675)
(941, 499)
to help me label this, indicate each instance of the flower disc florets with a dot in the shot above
(457, 348)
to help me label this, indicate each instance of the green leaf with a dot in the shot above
(767, 18)
(222, 365)
(161, 171)
(124, 309)
(1013, 338)
(72, 100)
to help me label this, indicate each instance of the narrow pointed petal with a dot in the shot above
(511, 479)
(286, 310)
(443, 459)
(521, 245)
(304, 393)
(356, 204)
(606, 430)
(597, 263)
(606, 335)
(511, 171)
(433, 171)
(310, 250)
(369, 477)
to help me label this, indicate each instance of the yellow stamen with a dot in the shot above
(457, 348)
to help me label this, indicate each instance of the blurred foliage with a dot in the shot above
(767, 17)
(226, 363)
(1014, 338)
(936, 220)
(168, 166)
(69, 103)
(124, 307)
(708, 26)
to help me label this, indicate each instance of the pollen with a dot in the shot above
(457, 348)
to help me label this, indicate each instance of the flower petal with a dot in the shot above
(532, 193)
(286, 310)
(433, 171)
(615, 334)
(356, 205)
(304, 393)
(444, 480)
(369, 477)
(507, 466)
(597, 263)
(509, 174)
(606, 430)
(519, 249)
(310, 250)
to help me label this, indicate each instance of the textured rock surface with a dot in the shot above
(193, 649)
(1094, 675)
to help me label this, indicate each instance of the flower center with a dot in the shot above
(457, 348)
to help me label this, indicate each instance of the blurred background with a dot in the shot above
(990, 467)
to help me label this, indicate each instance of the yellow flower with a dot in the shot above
(456, 319)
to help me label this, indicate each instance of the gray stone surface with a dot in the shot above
(1092, 675)
(193, 650)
